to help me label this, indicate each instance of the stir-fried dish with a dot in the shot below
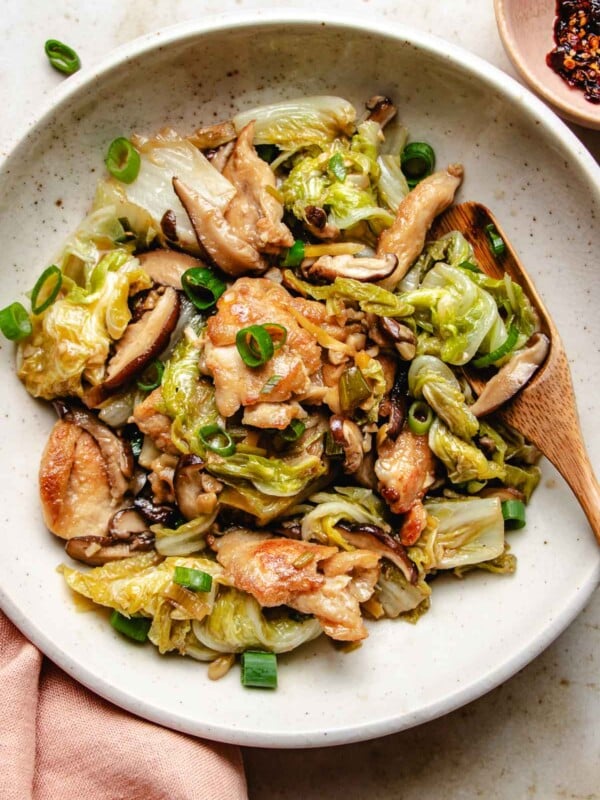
(262, 369)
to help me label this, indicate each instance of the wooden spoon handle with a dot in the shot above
(580, 477)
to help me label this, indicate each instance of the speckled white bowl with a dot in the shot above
(520, 160)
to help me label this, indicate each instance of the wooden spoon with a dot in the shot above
(544, 411)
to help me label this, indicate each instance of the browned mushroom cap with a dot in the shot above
(381, 109)
(98, 550)
(143, 340)
(167, 266)
(405, 341)
(512, 376)
(372, 537)
(347, 435)
(188, 485)
(316, 221)
(116, 452)
(126, 522)
(328, 268)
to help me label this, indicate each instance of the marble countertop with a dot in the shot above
(537, 735)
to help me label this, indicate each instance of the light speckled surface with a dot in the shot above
(536, 736)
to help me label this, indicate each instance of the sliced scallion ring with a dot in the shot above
(194, 579)
(513, 512)
(62, 57)
(202, 287)
(14, 322)
(48, 286)
(293, 431)
(259, 669)
(294, 255)
(255, 345)
(470, 266)
(353, 388)
(152, 376)
(277, 332)
(123, 160)
(135, 628)
(420, 417)
(417, 161)
(217, 440)
(507, 345)
(497, 245)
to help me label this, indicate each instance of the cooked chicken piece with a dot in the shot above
(406, 236)
(219, 239)
(75, 489)
(151, 421)
(273, 415)
(254, 212)
(384, 545)
(414, 523)
(405, 468)
(258, 301)
(287, 572)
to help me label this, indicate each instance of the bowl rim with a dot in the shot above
(566, 109)
(498, 80)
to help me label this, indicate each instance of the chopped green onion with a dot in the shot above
(294, 255)
(513, 512)
(62, 57)
(497, 245)
(135, 437)
(193, 579)
(268, 152)
(152, 376)
(337, 167)
(278, 334)
(216, 439)
(505, 348)
(14, 322)
(417, 162)
(255, 345)
(420, 417)
(332, 448)
(353, 389)
(49, 282)
(135, 628)
(123, 160)
(202, 287)
(259, 669)
(293, 431)
(470, 266)
(271, 384)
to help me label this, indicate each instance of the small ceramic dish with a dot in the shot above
(527, 31)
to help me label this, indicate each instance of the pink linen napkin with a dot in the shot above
(59, 741)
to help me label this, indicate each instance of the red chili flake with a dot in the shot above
(576, 57)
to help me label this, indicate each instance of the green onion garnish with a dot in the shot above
(255, 345)
(193, 579)
(48, 285)
(216, 439)
(62, 57)
(417, 162)
(293, 431)
(152, 376)
(271, 384)
(337, 167)
(420, 417)
(294, 255)
(123, 160)
(14, 322)
(277, 332)
(259, 669)
(353, 389)
(135, 628)
(513, 512)
(497, 245)
(202, 287)
(506, 346)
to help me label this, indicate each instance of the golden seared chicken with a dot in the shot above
(253, 301)
(405, 468)
(311, 578)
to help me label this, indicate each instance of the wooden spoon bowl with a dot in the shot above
(544, 411)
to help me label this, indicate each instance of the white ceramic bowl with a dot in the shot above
(520, 160)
